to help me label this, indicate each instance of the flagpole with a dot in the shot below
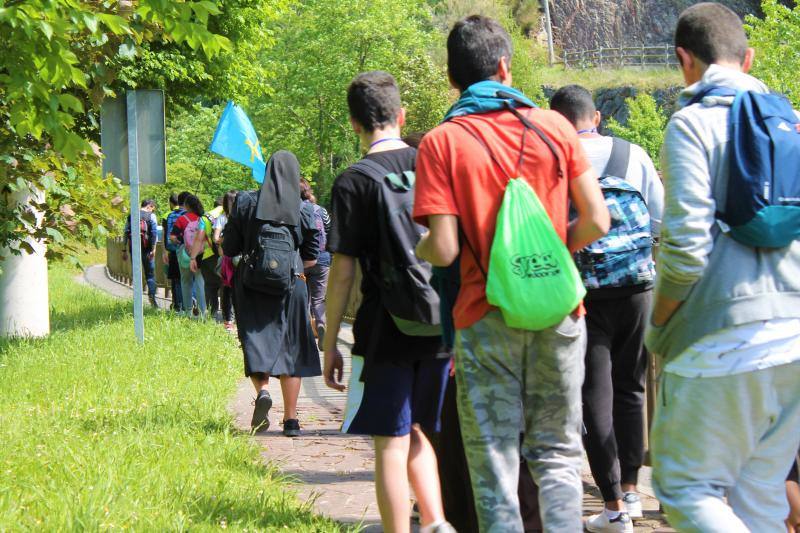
(202, 173)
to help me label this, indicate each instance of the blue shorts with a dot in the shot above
(395, 396)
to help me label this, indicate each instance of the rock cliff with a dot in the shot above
(588, 24)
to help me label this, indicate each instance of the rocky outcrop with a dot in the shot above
(588, 24)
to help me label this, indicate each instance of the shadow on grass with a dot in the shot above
(277, 511)
(89, 314)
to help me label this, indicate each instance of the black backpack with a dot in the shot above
(271, 265)
(403, 279)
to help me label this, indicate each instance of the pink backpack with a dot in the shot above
(193, 230)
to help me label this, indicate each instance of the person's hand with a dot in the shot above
(193, 265)
(334, 369)
(165, 258)
(151, 256)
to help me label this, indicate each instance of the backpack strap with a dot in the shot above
(377, 172)
(618, 160)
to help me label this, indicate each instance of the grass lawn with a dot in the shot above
(646, 79)
(98, 433)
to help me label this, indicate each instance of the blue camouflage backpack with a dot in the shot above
(762, 203)
(624, 256)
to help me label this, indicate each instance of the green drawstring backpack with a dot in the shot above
(532, 276)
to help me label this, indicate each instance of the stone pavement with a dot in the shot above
(332, 471)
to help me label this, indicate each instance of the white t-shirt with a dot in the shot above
(641, 174)
(739, 349)
(220, 221)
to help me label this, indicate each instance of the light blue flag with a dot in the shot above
(236, 139)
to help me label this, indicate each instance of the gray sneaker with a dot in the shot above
(633, 504)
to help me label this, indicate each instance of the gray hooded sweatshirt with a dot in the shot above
(721, 282)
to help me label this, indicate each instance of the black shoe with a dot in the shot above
(320, 336)
(291, 428)
(153, 301)
(263, 404)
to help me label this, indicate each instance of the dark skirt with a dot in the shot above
(275, 332)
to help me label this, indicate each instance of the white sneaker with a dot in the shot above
(634, 504)
(600, 523)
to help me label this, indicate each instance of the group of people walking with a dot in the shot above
(517, 265)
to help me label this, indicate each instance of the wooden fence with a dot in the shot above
(622, 56)
(120, 270)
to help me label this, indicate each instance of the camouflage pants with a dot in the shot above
(513, 381)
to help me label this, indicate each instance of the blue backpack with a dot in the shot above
(762, 205)
(624, 256)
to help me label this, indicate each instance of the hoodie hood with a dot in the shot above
(722, 77)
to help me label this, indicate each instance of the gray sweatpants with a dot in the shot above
(728, 437)
(512, 381)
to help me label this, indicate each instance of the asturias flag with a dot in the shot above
(235, 138)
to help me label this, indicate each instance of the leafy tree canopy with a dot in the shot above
(775, 38)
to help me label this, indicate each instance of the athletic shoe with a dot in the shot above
(153, 302)
(263, 404)
(633, 504)
(600, 523)
(415, 511)
(291, 428)
(229, 326)
(320, 335)
(443, 527)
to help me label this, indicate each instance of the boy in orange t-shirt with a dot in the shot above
(505, 375)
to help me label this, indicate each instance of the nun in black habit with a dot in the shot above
(275, 331)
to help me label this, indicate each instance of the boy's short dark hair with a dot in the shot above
(374, 99)
(182, 197)
(148, 202)
(474, 48)
(173, 199)
(712, 32)
(574, 102)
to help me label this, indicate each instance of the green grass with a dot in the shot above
(647, 79)
(98, 433)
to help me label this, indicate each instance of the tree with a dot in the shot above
(775, 38)
(321, 45)
(645, 125)
(60, 58)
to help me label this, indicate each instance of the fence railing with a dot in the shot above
(120, 270)
(621, 56)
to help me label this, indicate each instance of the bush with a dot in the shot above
(645, 126)
(775, 38)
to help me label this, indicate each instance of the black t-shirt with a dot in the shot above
(354, 201)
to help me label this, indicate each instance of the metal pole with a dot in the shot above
(136, 242)
(551, 56)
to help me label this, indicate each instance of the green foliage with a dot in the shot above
(321, 45)
(776, 38)
(130, 437)
(60, 58)
(645, 126)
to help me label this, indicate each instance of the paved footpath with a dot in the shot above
(332, 471)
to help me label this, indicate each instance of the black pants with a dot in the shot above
(459, 505)
(212, 282)
(614, 389)
(227, 303)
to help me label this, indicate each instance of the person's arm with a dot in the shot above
(653, 194)
(340, 283)
(310, 235)
(440, 246)
(689, 214)
(593, 220)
